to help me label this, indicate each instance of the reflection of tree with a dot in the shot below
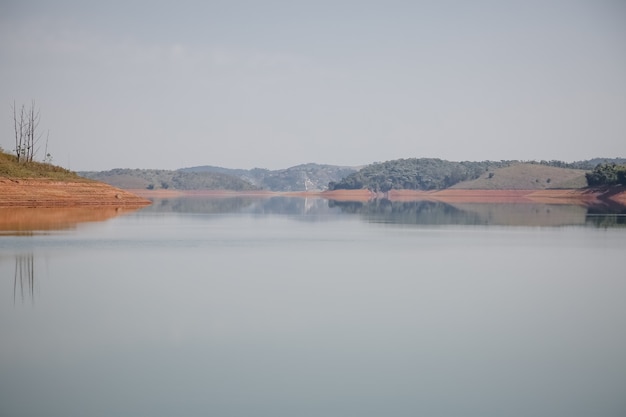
(412, 212)
(303, 208)
(399, 212)
(502, 214)
(200, 205)
(607, 220)
(24, 276)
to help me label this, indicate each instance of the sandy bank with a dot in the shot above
(49, 193)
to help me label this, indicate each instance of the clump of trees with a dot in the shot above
(607, 174)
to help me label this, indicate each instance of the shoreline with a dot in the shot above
(48, 193)
(51, 193)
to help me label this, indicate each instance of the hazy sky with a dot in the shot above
(242, 84)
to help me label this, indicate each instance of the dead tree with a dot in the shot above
(27, 135)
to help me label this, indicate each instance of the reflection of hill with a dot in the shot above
(412, 212)
(499, 214)
(303, 208)
(200, 205)
(527, 214)
(25, 220)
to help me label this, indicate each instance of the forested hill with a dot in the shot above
(436, 174)
(414, 174)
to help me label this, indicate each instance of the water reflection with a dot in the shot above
(310, 209)
(498, 214)
(273, 314)
(423, 212)
(24, 277)
(27, 221)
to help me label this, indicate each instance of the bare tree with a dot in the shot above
(18, 123)
(27, 135)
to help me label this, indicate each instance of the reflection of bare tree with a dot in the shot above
(24, 277)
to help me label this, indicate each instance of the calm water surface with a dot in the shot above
(293, 307)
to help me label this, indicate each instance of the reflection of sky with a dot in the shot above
(263, 315)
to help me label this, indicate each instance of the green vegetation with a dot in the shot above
(415, 174)
(11, 168)
(607, 174)
(437, 174)
(526, 176)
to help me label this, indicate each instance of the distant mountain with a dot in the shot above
(165, 179)
(590, 164)
(306, 177)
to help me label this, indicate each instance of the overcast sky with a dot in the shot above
(272, 84)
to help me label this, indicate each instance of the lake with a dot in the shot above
(306, 307)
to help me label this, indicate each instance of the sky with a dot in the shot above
(273, 84)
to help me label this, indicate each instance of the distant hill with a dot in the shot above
(411, 173)
(524, 176)
(415, 174)
(166, 179)
(437, 174)
(306, 177)
(590, 164)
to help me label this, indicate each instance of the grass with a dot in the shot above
(10, 168)
(527, 177)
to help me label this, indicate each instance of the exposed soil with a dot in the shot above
(50, 193)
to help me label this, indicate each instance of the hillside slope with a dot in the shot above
(526, 177)
(414, 174)
(305, 177)
(166, 179)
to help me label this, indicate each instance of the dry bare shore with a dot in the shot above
(50, 193)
